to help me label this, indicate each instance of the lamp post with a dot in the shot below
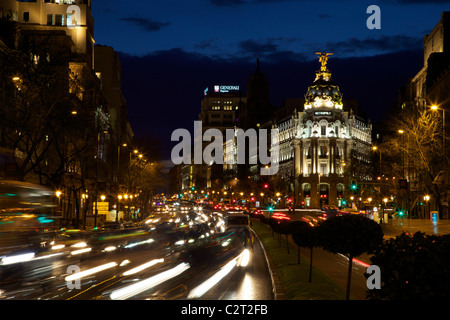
(401, 131)
(375, 148)
(427, 199)
(385, 200)
(434, 107)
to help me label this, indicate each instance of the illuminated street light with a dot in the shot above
(427, 199)
(444, 135)
(103, 197)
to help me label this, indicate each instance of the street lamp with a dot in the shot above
(375, 148)
(401, 131)
(427, 199)
(435, 107)
(385, 200)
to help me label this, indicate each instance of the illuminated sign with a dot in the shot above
(225, 89)
(322, 113)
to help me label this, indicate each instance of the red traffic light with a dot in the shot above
(266, 186)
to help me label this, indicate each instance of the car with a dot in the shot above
(239, 223)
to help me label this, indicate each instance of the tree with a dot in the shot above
(413, 267)
(143, 174)
(305, 235)
(415, 150)
(350, 235)
(283, 227)
(53, 116)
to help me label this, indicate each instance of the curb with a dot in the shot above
(278, 293)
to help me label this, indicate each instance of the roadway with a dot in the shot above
(160, 260)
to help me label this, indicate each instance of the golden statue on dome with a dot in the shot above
(323, 59)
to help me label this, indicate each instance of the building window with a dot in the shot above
(49, 19)
(323, 152)
(323, 130)
(59, 19)
(26, 16)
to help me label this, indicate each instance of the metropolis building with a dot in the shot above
(321, 142)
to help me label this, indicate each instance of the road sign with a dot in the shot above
(102, 207)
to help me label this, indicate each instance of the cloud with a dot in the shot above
(146, 24)
(235, 3)
(227, 3)
(421, 1)
(380, 44)
(271, 49)
(257, 47)
(206, 44)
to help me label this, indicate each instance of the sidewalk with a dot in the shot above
(396, 226)
(336, 265)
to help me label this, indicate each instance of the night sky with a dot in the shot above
(171, 50)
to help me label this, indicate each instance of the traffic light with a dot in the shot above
(354, 186)
(266, 186)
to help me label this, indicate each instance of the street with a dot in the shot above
(159, 261)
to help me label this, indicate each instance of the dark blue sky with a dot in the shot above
(172, 49)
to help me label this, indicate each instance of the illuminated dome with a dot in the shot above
(323, 93)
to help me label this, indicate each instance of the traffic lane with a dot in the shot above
(189, 278)
(46, 278)
(215, 271)
(151, 259)
(106, 272)
(250, 283)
